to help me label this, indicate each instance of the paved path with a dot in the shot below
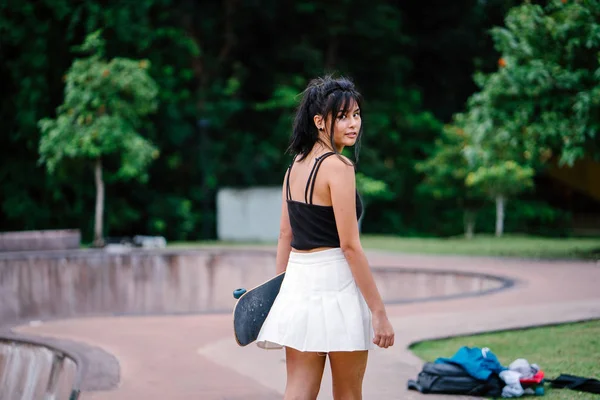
(195, 357)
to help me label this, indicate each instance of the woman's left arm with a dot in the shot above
(284, 243)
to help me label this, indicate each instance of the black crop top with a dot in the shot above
(313, 225)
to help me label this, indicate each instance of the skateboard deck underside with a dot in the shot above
(252, 309)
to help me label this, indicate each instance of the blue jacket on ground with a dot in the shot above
(479, 363)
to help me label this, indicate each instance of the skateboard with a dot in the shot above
(252, 308)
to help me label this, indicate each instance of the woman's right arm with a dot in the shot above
(342, 186)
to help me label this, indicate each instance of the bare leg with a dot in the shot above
(347, 372)
(304, 374)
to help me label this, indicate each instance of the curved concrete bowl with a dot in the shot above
(70, 284)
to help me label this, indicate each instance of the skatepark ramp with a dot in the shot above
(37, 286)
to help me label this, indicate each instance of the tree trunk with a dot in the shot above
(98, 237)
(469, 221)
(500, 200)
(229, 34)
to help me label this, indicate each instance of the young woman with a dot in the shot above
(328, 304)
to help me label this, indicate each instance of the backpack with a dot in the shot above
(453, 379)
(572, 382)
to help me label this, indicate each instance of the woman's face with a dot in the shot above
(346, 127)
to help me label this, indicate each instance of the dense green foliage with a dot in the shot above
(541, 105)
(228, 74)
(544, 99)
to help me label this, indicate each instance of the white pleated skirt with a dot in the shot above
(319, 307)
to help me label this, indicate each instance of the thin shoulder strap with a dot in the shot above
(287, 182)
(313, 176)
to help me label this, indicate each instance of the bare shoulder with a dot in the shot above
(339, 166)
(339, 171)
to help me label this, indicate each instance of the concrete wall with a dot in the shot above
(62, 239)
(249, 214)
(93, 282)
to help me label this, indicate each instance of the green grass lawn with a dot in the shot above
(572, 349)
(508, 246)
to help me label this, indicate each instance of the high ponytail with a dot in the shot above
(304, 132)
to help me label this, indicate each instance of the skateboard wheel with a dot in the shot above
(237, 293)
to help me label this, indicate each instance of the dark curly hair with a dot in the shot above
(325, 96)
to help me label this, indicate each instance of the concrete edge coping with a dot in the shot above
(505, 283)
(81, 365)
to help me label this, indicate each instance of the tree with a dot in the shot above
(498, 165)
(445, 173)
(101, 118)
(500, 181)
(544, 99)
